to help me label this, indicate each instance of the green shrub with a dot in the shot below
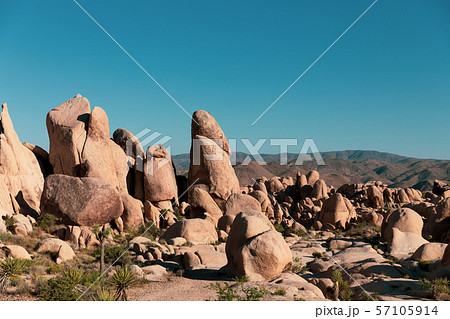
(58, 289)
(55, 269)
(74, 275)
(342, 286)
(439, 288)
(45, 222)
(279, 228)
(317, 254)
(10, 268)
(148, 230)
(238, 291)
(279, 292)
(104, 294)
(122, 280)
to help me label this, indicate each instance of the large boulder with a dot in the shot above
(42, 157)
(405, 220)
(135, 156)
(15, 251)
(237, 203)
(133, 216)
(375, 197)
(159, 175)
(320, 189)
(66, 126)
(196, 231)
(80, 144)
(255, 249)
(85, 201)
(21, 179)
(337, 211)
(202, 205)
(403, 244)
(429, 251)
(217, 174)
(60, 249)
(438, 223)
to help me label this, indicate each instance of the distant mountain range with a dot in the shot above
(353, 166)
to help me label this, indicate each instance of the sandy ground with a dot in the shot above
(174, 288)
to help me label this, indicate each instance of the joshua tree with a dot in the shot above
(102, 233)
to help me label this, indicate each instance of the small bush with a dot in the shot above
(104, 294)
(280, 292)
(279, 228)
(58, 289)
(47, 221)
(74, 275)
(238, 291)
(122, 280)
(342, 286)
(148, 230)
(439, 288)
(317, 254)
(10, 268)
(55, 269)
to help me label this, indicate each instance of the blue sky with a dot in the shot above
(384, 86)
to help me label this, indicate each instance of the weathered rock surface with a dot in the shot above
(403, 244)
(15, 251)
(196, 231)
(85, 201)
(217, 174)
(255, 249)
(60, 249)
(21, 178)
(336, 210)
(429, 251)
(405, 220)
(159, 175)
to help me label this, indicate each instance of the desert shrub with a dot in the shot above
(58, 289)
(117, 254)
(439, 288)
(342, 286)
(74, 275)
(279, 292)
(148, 230)
(372, 297)
(104, 294)
(297, 266)
(47, 221)
(122, 280)
(279, 228)
(10, 268)
(238, 291)
(55, 269)
(317, 254)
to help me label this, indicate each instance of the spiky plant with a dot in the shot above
(104, 294)
(9, 269)
(74, 275)
(122, 280)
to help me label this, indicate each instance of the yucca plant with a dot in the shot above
(74, 275)
(122, 280)
(104, 294)
(9, 269)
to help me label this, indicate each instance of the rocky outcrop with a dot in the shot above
(85, 201)
(217, 174)
(132, 216)
(159, 176)
(405, 220)
(336, 211)
(21, 179)
(196, 231)
(135, 158)
(80, 144)
(60, 250)
(255, 249)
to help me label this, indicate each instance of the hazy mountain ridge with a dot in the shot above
(350, 166)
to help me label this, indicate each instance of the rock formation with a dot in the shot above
(21, 179)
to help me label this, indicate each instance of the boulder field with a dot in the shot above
(291, 233)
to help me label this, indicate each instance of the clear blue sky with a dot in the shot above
(384, 86)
